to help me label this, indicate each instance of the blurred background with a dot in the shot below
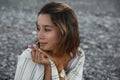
(99, 22)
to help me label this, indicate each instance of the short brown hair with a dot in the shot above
(66, 20)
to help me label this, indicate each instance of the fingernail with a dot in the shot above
(34, 44)
(39, 50)
(29, 45)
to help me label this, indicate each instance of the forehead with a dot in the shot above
(44, 19)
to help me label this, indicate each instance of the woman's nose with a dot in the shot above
(40, 34)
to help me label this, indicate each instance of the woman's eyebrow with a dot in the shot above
(48, 26)
(45, 25)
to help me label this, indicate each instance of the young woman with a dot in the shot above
(56, 55)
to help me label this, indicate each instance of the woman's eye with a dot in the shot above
(47, 30)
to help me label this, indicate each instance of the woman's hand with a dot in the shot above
(39, 56)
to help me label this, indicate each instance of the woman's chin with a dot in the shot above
(44, 49)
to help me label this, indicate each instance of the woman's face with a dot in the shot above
(49, 34)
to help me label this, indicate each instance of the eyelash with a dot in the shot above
(47, 30)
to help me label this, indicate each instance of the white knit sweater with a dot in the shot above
(28, 70)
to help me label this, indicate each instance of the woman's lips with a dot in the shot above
(43, 43)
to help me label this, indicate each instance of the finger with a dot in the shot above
(46, 54)
(39, 57)
(38, 60)
(43, 52)
(33, 47)
(33, 55)
(42, 58)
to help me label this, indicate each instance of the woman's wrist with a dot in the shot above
(47, 66)
(48, 74)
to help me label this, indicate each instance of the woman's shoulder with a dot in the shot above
(80, 57)
(80, 52)
(26, 53)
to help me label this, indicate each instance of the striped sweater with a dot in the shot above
(28, 70)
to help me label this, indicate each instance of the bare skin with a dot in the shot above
(49, 37)
(41, 57)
